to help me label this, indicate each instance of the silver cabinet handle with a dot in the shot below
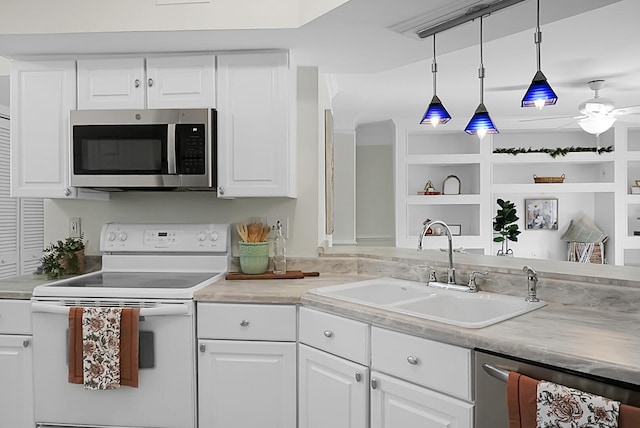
(203, 347)
(67, 191)
(244, 323)
(374, 383)
(136, 83)
(150, 82)
(412, 360)
(221, 190)
(358, 376)
(328, 333)
(26, 343)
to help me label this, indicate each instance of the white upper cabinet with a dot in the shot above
(176, 81)
(42, 93)
(256, 133)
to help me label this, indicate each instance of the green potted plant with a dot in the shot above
(63, 257)
(504, 224)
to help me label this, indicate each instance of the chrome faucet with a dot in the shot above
(532, 284)
(451, 272)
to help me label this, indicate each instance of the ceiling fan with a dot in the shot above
(599, 113)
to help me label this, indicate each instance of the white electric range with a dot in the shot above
(156, 267)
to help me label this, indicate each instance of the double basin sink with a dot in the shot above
(459, 308)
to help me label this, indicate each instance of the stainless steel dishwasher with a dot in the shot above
(491, 391)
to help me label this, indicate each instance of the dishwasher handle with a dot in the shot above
(144, 312)
(496, 372)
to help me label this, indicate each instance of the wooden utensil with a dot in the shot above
(254, 231)
(241, 228)
(265, 232)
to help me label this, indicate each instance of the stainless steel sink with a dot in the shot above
(470, 310)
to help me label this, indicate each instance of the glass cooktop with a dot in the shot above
(165, 280)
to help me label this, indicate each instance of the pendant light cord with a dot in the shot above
(481, 69)
(434, 66)
(537, 37)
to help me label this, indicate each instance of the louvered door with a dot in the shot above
(8, 210)
(21, 221)
(32, 234)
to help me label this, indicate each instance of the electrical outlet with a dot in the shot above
(285, 226)
(74, 227)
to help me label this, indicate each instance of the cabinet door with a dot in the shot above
(16, 388)
(246, 384)
(181, 81)
(111, 83)
(255, 151)
(41, 96)
(333, 392)
(397, 403)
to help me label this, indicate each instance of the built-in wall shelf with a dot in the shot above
(597, 185)
(553, 188)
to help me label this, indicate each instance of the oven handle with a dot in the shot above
(144, 312)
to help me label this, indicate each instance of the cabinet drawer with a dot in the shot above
(15, 317)
(246, 322)
(439, 366)
(339, 336)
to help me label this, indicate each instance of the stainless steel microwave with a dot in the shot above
(172, 149)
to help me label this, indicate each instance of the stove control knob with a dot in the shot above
(122, 236)
(111, 236)
(201, 236)
(214, 236)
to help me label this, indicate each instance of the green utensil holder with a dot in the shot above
(254, 257)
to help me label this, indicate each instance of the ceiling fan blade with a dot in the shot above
(627, 110)
(549, 118)
(566, 124)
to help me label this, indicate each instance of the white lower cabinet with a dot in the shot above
(351, 374)
(333, 392)
(398, 403)
(246, 365)
(16, 356)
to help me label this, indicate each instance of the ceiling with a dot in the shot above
(377, 73)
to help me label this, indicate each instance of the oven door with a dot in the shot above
(166, 395)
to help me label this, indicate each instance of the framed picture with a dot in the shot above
(541, 214)
(456, 229)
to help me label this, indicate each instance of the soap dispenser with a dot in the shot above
(279, 248)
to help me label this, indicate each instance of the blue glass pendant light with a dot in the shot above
(481, 123)
(539, 93)
(436, 113)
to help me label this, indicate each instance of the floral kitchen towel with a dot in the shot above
(101, 347)
(559, 406)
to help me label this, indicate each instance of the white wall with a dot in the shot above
(206, 207)
(375, 177)
(4, 82)
(345, 188)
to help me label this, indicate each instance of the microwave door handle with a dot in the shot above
(171, 148)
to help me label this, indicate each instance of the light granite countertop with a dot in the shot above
(21, 287)
(586, 340)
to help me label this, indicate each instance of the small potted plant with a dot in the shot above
(63, 257)
(504, 224)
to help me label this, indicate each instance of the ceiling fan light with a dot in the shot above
(436, 113)
(539, 93)
(481, 123)
(596, 125)
(597, 106)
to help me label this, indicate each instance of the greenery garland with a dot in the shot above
(555, 152)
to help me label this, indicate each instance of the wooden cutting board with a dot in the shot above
(291, 274)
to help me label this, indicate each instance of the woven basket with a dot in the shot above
(586, 252)
(537, 179)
